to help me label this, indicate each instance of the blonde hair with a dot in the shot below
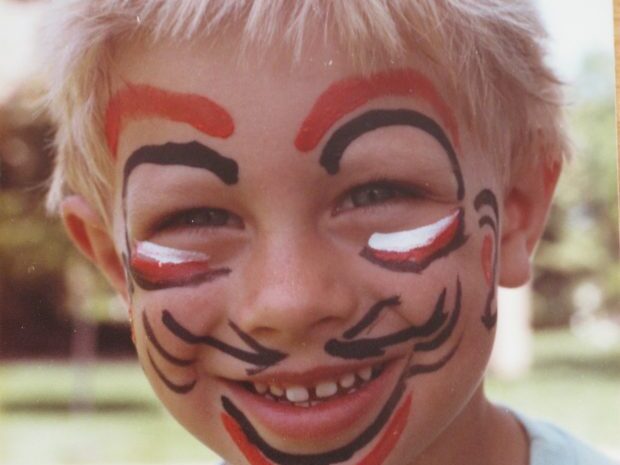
(490, 51)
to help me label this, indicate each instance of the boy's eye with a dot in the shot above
(368, 195)
(376, 193)
(201, 217)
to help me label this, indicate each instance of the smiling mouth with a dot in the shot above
(317, 393)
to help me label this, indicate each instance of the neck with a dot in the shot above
(481, 434)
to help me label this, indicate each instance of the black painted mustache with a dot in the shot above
(375, 346)
(261, 357)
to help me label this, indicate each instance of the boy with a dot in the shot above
(307, 207)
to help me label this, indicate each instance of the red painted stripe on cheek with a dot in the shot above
(345, 96)
(377, 455)
(390, 437)
(487, 258)
(142, 101)
(158, 272)
(421, 253)
(249, 450)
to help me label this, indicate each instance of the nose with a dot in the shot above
(296, 290)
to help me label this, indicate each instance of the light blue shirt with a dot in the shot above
(550, 445)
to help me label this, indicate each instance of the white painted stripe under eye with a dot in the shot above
(404, 241)
(163, 254)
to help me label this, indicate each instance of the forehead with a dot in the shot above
(262, 93)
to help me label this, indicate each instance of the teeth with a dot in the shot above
(261, 388)
(326, 389)
(304, 397)
(276, 390)
(365, 373)
(297, 394)
(348, 380)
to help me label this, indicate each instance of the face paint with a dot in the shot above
(143, 101)
(486, 199)
(487, 259)
(374, 119)
(345, 96)
(391, 420)
(154, 266)
(416, 249)
(377, 455)
(176, 388)
(261, 357)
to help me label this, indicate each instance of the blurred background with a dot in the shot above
(71, 391)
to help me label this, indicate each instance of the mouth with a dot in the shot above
(325, 404)
(313, 394)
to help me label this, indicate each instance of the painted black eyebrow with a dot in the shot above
(375, 119)
(192, 154)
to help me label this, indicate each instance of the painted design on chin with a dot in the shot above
(435, 332)
(486, 199)
(154, 266)
(336, 145)
(414, 250)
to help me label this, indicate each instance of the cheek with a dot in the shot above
(486, 255)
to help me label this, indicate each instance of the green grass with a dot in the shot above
(572, 383)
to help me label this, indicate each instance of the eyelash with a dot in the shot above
(398, 190)
(215, 218)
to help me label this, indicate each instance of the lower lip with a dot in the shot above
(321, 421)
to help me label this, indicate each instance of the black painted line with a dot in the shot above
(445, 333)
(324, 458)
(420, 369)
(262, 357)
(371, 316)
(176, 388)
(150, 334)
(375, 119)
(487, 197)
(374, 347)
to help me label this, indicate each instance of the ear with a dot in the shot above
(526, 205)
(89, 234)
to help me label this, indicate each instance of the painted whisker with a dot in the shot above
(262, 357)
(150, 334)
(177, 388)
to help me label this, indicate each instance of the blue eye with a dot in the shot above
(201, 218)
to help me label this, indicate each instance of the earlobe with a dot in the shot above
(526, 205)
(90, 235)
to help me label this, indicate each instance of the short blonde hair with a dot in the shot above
(490, 51)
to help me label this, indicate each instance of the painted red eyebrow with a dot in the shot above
(142, 101)
(345, 96)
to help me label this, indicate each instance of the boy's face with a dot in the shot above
(311, 253)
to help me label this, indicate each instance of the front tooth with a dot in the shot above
(347, 380)
(326, 389)
(365, 373)
(297, 394)
(261, 388)
(276, 390)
